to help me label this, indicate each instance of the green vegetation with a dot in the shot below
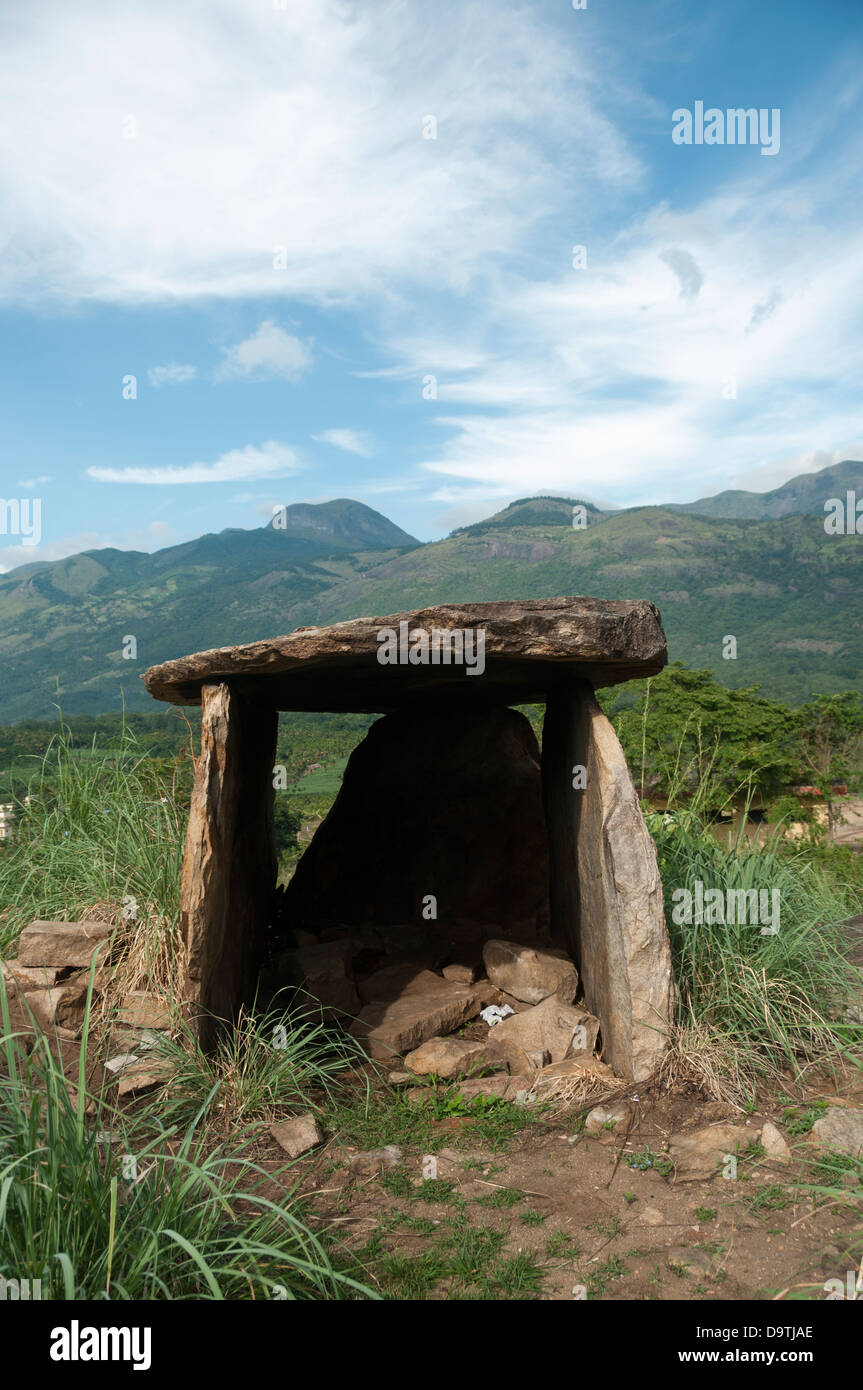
(119, 1205)
(780, 584)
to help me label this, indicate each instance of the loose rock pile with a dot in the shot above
(511, 1004)
(49, 981)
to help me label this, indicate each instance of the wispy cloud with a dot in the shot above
(269, 460)
(269, 352)
(351, 441)
(172, 374)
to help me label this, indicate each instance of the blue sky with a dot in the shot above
(237, 204)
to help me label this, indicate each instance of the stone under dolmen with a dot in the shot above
(450, 826)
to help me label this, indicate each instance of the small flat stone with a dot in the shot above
(143, 1076)
(426, 1005)
(550, 1026)
(144, 1009)
(773, 1143)
(62, 943)
(373, 1160)
(840, 1129)
(698, 1156)
(450, 1057)
(608, 1119)
(530, 973)
(461, 974)
(298, 1135)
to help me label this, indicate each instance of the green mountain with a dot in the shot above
(63, 626)
(791, 595)
(805, 494)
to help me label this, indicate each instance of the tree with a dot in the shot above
(829, 734)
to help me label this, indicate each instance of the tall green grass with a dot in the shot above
(98, 1203)
(101, 832)
(763, 1003)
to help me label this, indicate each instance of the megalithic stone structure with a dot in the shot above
(583, 871)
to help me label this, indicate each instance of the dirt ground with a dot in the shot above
(572, 1217)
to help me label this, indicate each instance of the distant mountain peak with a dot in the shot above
(344, 520)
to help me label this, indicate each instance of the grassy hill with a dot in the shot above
(790, 594)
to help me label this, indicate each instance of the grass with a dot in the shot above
(159, 1213)
(100, 836)
(259, 1067)
(753, 1005)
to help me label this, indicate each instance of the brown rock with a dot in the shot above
(143, 1009)
(426, 1006)
(606, 893)
(529, 645)
(461, 974)
(449, 1057)
(840, 1129)
(29, 976)
(298, 1135)
(530, 973)
(699, 1156)
(608, 1119)
(63, 1005)
(62, 943)
(773, 1143)
(551, 1027)
(143, 1076)
(456, 799)
(325, 972)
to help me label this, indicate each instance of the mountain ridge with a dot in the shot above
(790, 593)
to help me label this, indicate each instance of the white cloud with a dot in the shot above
(314, 145)
(351, 441)
(269, 352)
(172, 374)
(270, 460)
(30, 483)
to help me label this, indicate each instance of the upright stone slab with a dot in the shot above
(605, 890)
(443, 804)
(229, 869)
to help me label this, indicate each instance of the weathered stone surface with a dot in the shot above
(449, 1057)
(699, 1156)
(550, 1026)
(373, 1160)
(29, 976)
(144, 1009)
(325, 972)
(426, 1006)
(529, 646)
(530, 973)
(433, 804)
(62, 943)
(64, 1004)
(229, 868)
(461, 974)
(608, 1119)
(298, 1135)
(840, 1129)
(606, 893)
(144, 1076)
(773, 1142)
